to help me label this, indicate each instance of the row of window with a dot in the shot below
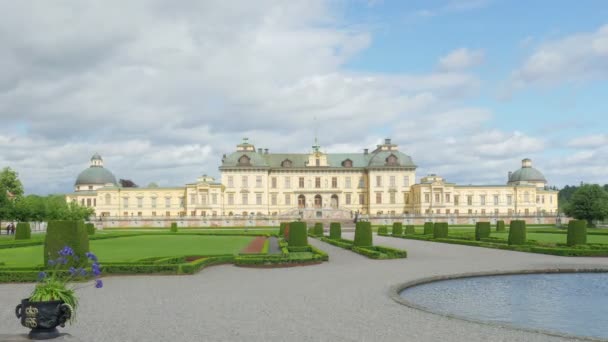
(483, 199)
(392, 181)
(153, 202)
(470, 211)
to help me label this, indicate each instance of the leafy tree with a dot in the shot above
(589, 202)
(9, 181)
(6, 207)
(127, 183)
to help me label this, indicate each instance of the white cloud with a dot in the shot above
(460, 59)
(575, 58)
(162, 89)
(589, 141)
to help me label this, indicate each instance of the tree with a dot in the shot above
(6, 207)
(9, 181)
(127, 183)
(589, 202)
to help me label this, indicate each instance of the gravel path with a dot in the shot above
(345, 299)
(273, 245)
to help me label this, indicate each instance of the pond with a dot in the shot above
(568, 303)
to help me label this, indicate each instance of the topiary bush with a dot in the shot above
(335, 230)
(297, 234)
(409, 229)
(310, 230)
(382, 230)
(428, 228)
(173, 227)
(397, 229)
(482, 230)
(90, 228)
(577, 232)
(440, 230)
(282, 226)
(363, 234)
(318, 230)
(23, 231)
(60, 234)
(517, 232)
(500, 226)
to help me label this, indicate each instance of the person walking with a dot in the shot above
(12, 228)
(8, 229)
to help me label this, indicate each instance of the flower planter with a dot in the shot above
(43, 317)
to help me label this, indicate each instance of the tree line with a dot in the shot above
(15, 206)
(585, 202)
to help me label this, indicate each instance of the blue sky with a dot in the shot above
(467, 88)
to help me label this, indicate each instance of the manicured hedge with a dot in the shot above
(410, 229)
(173, 227)
(198, 264)
(335, 230)
(346, 244)
(318, 231)
(440, 230)
(500, 226)
(297, 234)
(90, 228)
(397, 229)
(311, 231)
(577, 232)
(23, 231)
(517, 232)
(482, 230)
(363, 234)
(428, 228)
(382, 230)
(282, 228)
(18, 276)
(60, 234)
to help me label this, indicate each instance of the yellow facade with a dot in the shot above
(255, 182)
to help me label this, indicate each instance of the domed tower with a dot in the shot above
(527, 175)
(95, 177)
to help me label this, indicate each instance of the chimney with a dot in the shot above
(365, 151)
(387, 141)
(265, 151)
(259, 150)
(509, 176)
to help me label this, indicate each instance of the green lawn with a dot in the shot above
(138, 247)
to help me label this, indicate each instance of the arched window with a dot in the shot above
(244, 160)
(392, 160)
(347, 163)
(286, 163)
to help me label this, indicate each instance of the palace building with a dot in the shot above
(256, 182)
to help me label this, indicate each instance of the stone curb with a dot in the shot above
(395, 290)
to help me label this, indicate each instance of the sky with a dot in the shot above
(162, 89)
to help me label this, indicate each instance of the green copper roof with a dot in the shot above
(334, 160)
(95, 175)
(527, 174)
(96, 156)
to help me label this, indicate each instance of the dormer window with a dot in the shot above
(286, 163)
(392, 160)
(244, 161)
(347, 163)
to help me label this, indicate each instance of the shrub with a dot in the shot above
(382, 230)
(335, 230)
(23, 231)
(363, 234)
(318, 230)
(397, 229)
(297, 234)
(311, 231)
(90, 228)
(286, 232)
(517, 232)
(282, 228)
(409, 229)
(346, 244)
(500, 226)
(66, 233)
(173, 227)
(440, 230)
(482, 230)
(428, 228)
(577, 232)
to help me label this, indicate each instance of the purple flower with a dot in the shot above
(41, 275)
(91, 256)
(66, 251)
(52, 262)
(83, 272)
(98, 283)
(62, 260)
(95, 268)
(72, 270)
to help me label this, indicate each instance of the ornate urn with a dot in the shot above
(43, 317)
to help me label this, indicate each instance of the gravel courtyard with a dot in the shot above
(345, 299)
